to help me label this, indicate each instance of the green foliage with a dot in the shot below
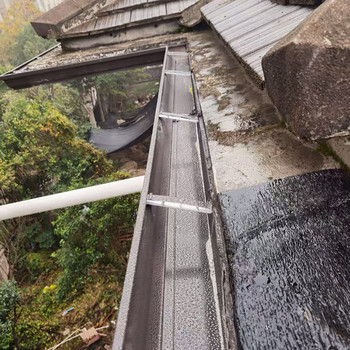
(26, 45)
(15, 17)
(182, 29)
(38, 263)
(3, 86)
(68, 101)
(9, 298)
(113, 89)
(90, 235)
(40, 234)
(41, 153)
(35, 334)
(48, 301)
(145, 89)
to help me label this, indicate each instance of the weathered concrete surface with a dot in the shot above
(308, 73)
(248, 143)
(60, 58)
(192, 15)
(65, 15)
(129, 36)
(298, 2)
(341, 147)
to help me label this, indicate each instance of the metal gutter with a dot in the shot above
(31, 60)
(176, 292)
(18, 78)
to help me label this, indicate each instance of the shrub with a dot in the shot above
(9, 299)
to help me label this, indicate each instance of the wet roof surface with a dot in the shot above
(252, 27)
(289, 252)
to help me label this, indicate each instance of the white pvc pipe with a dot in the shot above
(70, 198)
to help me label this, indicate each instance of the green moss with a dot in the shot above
(328, 151)
(213, 130)
(181, 29)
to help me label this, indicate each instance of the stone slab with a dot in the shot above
(341, 146)
(308, 73)
(49, 24)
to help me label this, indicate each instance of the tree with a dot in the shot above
(40, 149)
(18, 14)
(27, 44)
(90, 235)
(3, 87)
(68, 101)
(40, 154)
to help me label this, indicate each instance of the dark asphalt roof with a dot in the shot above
(289, 252)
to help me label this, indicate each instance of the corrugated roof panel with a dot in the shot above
(101, 22)
(262, 32)
(174, 7)
(213, 5)
(131, 12)
(121, 18)
(237, 18)
(85, 27)
(142, 14)
(122, 4)
(252, 27)
(234, 9)
(254, 59)
(246, 26)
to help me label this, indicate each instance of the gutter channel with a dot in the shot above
(176, 293)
